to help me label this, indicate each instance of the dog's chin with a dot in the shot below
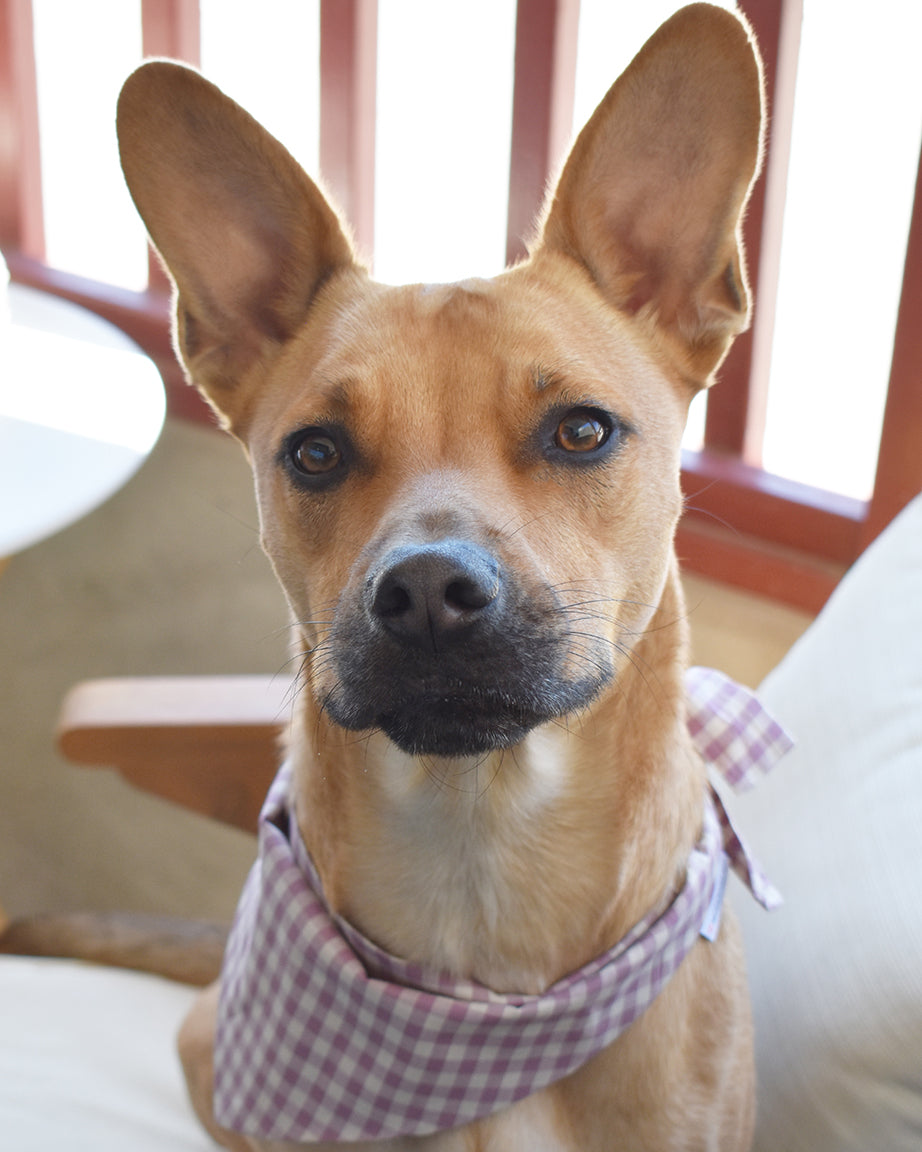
(457, 726)
(445, 733)
(449, 744)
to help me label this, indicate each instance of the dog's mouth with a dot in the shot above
(448, 655)
(466, 720)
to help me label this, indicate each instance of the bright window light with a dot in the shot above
(266, 56)
(443, 131)
(855, 148)
(83, 54)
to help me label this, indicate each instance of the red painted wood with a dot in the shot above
(899, 468)
(746, 500)
(171, 28)
(750, 564)
(348, 76)
(21, 218)
(774, 193)
(542, 108)
(735, 420)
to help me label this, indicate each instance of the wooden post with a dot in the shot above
(171, 28)
(21, 216)
(899, 465)
(348, 76)
(735, 423)
(542, 108)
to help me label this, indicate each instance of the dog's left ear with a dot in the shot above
(652, 196)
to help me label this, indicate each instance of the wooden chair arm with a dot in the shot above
(209, 743)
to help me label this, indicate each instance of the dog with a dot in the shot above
(469, 494)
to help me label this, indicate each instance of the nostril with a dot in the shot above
(469, 595)
(392, 599)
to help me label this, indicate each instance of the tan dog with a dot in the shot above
(469, 494)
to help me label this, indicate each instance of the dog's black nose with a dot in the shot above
(431, 594)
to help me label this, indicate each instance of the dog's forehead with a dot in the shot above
(476, 342)
(501, 317)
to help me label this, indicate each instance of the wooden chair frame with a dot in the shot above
(209, 743)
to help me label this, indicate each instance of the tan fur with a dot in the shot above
(185, 950)
(515, 864)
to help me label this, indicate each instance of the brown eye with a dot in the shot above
(582, 430)
(315, 454)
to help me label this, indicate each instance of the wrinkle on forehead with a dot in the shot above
(433, 362)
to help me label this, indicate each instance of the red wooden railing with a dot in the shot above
(742, 525)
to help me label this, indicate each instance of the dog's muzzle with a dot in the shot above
(447, 652)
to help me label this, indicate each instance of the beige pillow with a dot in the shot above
(88, 1060)
(836, 973)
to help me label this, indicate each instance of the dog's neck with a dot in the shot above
(519, 866)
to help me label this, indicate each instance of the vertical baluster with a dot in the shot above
(21, 218)
(542, 108)
(170, 28)
(736, 410)
(899, 466)
(348, 76)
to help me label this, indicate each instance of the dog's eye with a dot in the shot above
(315, 453)
(582, 430)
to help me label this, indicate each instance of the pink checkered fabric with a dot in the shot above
(740, 740)
(323, 1036)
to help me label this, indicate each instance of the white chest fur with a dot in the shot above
(455, 872)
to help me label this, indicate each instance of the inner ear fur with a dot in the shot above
(245, 234)
(652, 197)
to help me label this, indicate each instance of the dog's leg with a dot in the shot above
(196, 1051)
(184, 950)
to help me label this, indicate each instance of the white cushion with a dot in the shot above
(88, 1060)
(836, 973)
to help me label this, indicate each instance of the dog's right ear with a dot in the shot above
(247, 237)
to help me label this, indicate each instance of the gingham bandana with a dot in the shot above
(323, 1036)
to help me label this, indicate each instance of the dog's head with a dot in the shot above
(469, 492)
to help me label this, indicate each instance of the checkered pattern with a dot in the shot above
(731, 729)
(738, 737)
(323, 1036)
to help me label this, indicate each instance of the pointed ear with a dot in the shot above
(652, 196)
(245, 234)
